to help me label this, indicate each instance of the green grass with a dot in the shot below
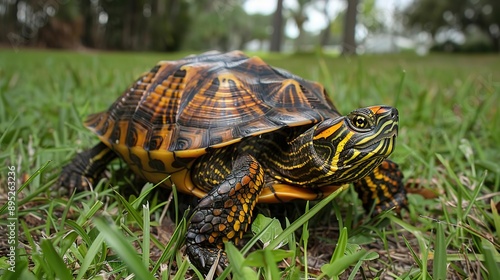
(447, 146)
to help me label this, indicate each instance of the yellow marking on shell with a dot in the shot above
(228, 142)
(329, 131)
(254, 60)
(173, 83)
(146, 78)
(160, 89)
(224, 103)
(179, 176)
(232, 233)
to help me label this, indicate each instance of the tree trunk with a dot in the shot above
(325, 33)
(495, 41)
(127, 26)
(277, 34)
(299, 41)
(348, 40)
(10, 26)
(324, 36)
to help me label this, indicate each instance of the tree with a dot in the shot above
(348, 38)
(169, 23)
(40, 23)
(461, 15)
(277, 34)
(299, 17)
(223, 25)
(260, 28)
(325, 33)
(158, 25)
(371, 17)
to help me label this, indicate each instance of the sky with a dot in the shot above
(316, 20)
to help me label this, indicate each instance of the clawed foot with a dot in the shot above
(72, 179)
(205, 258)
(84, 170)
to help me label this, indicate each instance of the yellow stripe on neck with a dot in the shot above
(340, 147)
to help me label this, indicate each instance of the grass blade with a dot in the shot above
(146, 235)
(124, 249)
(440, 256)
(92, 252)
(341, 245)
(54, 260)
(492, 264)
(306, 217)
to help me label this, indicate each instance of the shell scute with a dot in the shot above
(209, 100)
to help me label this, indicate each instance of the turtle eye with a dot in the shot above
(360, 122)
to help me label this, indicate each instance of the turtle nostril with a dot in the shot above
(394, 113)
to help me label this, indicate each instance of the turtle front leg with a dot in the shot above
(85, 168)
(224, 214)
(383, 187)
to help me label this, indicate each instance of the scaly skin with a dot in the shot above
(382, 189)
(85, 169)
(224, 214)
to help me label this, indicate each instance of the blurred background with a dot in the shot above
(337, 26)
(448, 140)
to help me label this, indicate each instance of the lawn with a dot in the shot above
(448, 149)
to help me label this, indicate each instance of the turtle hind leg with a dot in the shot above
(383, 187)
(224, 213)
(85, 168)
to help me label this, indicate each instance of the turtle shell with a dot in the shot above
(173, 113)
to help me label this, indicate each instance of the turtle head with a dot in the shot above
(352, 145)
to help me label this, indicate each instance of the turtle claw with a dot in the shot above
(206, 258)
(84, 170)
(71, 180)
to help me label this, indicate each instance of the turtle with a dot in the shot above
(234, 131)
